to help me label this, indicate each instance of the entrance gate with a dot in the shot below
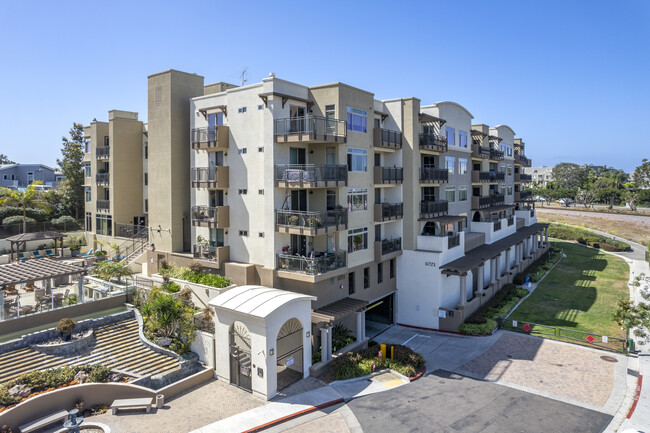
(240, 356)
(290, 353)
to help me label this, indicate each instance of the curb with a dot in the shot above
(294, 415)
(636, 396)
(441, 330)
(419, 375)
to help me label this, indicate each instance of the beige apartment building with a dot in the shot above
(384, 211)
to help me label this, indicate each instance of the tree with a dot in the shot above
(29, 198)
(632, 198)
(571, 176)
(5, 160)
(72, 168)
(107, 270)
(585, 197)
(605, 190)
(641, 174)
(635, 317)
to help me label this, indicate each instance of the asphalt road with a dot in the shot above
(447, 402)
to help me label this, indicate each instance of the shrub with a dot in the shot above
(341, 337)
(170, 286)
(596, 245)
(17, 219)
(196, 267)
(64, 220)
(71, 300)
(355, 364)
(482, 329)
(519, 279)
(372, 343)
(98, 373)
(476, 320)
(65, 326)
(8, 211)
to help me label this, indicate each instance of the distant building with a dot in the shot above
(23, 175)
(541, 175)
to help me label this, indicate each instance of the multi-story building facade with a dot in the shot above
(22, 175)
(540, 175)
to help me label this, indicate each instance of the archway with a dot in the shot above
(289, 346)
(477, 217)
(240, 356)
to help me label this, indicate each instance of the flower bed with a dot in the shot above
(357, 364)
(483, 321)
(194, 274)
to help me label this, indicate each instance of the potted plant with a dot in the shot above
(65, 328)
(293, 220)
(314, 222)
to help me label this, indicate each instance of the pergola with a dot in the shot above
(36, 270)
(22, 239)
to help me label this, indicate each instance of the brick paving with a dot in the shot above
(560, 369)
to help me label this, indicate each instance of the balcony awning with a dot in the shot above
(494, 137)
(204, 111)
(476, 132)
(337, 310)
(446, 219)
(480, 255)
(285, 98)
(427, 118)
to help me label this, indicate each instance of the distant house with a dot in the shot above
(22, 175)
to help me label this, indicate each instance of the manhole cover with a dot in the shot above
(608, 358)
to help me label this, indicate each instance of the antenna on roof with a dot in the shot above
(243, 76)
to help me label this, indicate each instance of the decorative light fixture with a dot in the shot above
(271, 352)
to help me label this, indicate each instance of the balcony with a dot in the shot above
(387, 247)
(522, 160)
(479, 151)
(523, 195)
(388, 211)
(388, 175)
(310, 176)
(481, 176)
(387, 139)
(434, 142)
(210, 177)
(499, 176)
(453, 240)
(210, 138)
(211, 253)
(103, 152)
(496, 155)
(442, 243)
(481, 202)
(310, 223)
(212, 217)
(102, 178)
(432, 209)
(310, 129)
(521, 177)
(320, 263)
(497, 199)
(103, 205)
(434, 175)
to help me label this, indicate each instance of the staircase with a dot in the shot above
(133, 248)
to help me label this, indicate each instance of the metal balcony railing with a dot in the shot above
(311, 219)
(103, 152)
(387, 138)
(480, 151)
(392, 174)
(430, 209)
(318, 263)
(484, 176)
(524, 177)
(481, 202)
(310, 125)
(307, 173)
(103, 178)
(103, 204)
(391, 245)
(432, 174)
(205, 134)
(204, 174)
(433, 141)
(453, 240)
(206, 213)
(496, 154)
(525, 195)
(499, 176)
(391, 211)
(497, 199)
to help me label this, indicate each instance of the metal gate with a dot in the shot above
(240, 356)
(290, 353)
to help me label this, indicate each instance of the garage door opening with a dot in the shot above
(379, 316)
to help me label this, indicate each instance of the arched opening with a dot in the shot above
(240, 356)
(477, 217)
(289, 346)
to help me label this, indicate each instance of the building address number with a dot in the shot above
(433, 264)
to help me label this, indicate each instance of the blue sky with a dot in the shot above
(570, 77)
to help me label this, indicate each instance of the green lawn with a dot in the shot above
(579, 293)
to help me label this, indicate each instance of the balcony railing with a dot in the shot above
(434, 175)
(210, 138)
(523, 195)
(315, 222)
(496, 154)
(497, 225)
(433, 142)
(103, 152)
(499, 176)
(481, 202)
(388, 175)
(218, 217)
(497, 199)
(511, 221)
(310, 128)
(308, 175)
(481, 176)
(432, 209)
(211, 253)
(102, 178)
(131, 231)
(320, 263)
(391, 246)
(522, 177)
(522, 159)
(210, 177)
(453, 240)
(479, 151)
(103, 205)
(388, 211)
(387, 138)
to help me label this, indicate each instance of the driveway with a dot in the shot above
(448, 402)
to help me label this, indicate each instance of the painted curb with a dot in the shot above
(294, 415)
(636, 396)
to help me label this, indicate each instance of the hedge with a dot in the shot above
(7, 211)
(500, 304)
(586, 237)
(478, 329)
(18, 219)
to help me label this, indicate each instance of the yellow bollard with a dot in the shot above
(392, 351)
(383, 351)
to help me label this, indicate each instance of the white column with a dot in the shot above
(546, 234)
(481, 276)
(361, 325)
(330, 349)
(508, 259)
(493, 270)
(325, 355)
(463, 290)
(498, 265)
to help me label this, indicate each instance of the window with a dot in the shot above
(380, 273)
(88, 196)
(104, 225)
(146, 179)
(241, 110)
(243, 191)
(89, 222)
(215, 119)
(366, 278)
(146, 205)
(260, 149)
(450, 194)
(462, 165)
(107, 141)
(87, 147)
(259, 107)
(450, 162)
(243, 232)
(5, 177)
(357, 199)
(357, 239)
(391, 268)
(260, 191)
(351, 289)
(509, 150)
(462, 193)
(509, 189)
(462, 139)
(146, 151)
(357, 119)
(242, 151)
(261, 234)
(503, 189)
(357, 159)
(87, 169)
(30, 177)
(451, 136)
(509, 170)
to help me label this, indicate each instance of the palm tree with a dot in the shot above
(107, 270)
(29, 198)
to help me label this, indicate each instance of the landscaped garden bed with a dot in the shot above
(484, 320)
(194, 274)
(586, 237)
(356, 364)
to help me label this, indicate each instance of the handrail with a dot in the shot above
(433, 174)
(311, 219)
(310, 173)
(310, 125)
